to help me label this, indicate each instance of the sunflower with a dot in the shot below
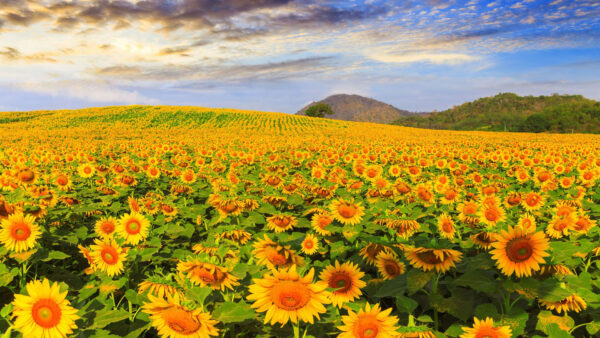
(274, 255)
(152, 172)
(88, 255)
(345, 279)
(560, 226)
(468, 212)
(420, 331)
(86, 170)
(206, 274)
(285, 296)
(491, 215)
(133, 228)
(281, 223)
(172, 320)
(310, 244)
(446, 226)
(571, 303)
(527, 222)
(584, 224)
(483, 239)
(369, 322)
(26, 176)
(44, 312)
(238, 236)
(428, 259)
(532, 201)
(319, 223)
(108, 257)
(63, 182)
(371, 251)
(348, 213)
(389, 266)
(486, 328)
(158, 289)
(105, 227)
(520, 252)
(19, 232)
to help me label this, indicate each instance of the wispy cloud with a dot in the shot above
(86, 90)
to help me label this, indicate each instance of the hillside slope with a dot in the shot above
(359, 108)
(511, 112)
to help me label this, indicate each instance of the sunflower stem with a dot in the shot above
(296, 328)
(435, 311)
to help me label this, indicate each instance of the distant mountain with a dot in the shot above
(360, 108)
(511, 112)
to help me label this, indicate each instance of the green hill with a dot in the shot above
(511, 112)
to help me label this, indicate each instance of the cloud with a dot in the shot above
(435, 58)
(224, 73)
(86, 90)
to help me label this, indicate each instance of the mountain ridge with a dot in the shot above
(352, 107)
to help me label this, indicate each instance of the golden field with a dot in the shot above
(197, 222)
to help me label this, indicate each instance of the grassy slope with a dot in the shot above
(507, 111)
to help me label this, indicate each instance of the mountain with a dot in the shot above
(359, 108)
(511, 112)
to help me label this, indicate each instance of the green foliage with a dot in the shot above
(319, 110)
(510, 112)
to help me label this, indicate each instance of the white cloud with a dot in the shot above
(435, 58)
(86, 90)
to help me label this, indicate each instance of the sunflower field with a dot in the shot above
(160, 221)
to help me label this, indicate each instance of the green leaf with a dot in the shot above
(479, 280)
(55, 255)
(424, 319)
(555, 331)
(516, 319)
(593, 327)
(337, 248)
(230, 312)
(6, 276)
(107, 316)
(6, 310)
(546, 319)
(198, 294)
(405, 304)
(394, 287)
(417, 279)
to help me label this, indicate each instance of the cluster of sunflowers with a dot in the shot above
(186, 222)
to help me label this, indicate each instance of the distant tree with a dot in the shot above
(319, 110)
(535, 123)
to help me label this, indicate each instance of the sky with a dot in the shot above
(279, 55)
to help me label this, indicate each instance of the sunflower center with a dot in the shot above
(323, 222)
(46, 313)
(308, 244)
(276, 257)
(447, 226)
(20, 231)
(180, 321)
(109, 255)
(532, 200)
(62, 180)
(367, 326)
(391, 268)
(341, 282)
(108, 227)
(87, 170)
(347, 210)
(492, 214)
(133, 227)
(282, 222)
(290, 295)
(429, 257)
(26, 176)
(519, 250)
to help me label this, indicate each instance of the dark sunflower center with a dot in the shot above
(519, 250)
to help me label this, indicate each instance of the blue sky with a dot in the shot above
(278, 55)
